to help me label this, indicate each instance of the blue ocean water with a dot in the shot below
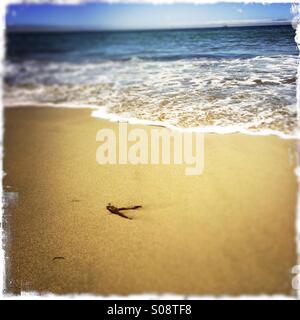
(244, 76)
(153, 45)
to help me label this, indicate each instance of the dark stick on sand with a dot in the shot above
(58, 258)
(115, 210)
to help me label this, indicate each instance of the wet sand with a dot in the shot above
(230, 230)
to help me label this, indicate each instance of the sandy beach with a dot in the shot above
(230, 230)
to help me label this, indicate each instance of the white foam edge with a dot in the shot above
(101, 113)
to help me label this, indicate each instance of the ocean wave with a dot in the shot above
(255, 93)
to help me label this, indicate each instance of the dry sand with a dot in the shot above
(230, 230)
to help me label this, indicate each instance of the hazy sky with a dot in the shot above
(145, 16)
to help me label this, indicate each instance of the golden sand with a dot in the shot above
(230, 230)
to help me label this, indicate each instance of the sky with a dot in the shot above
(122, 16)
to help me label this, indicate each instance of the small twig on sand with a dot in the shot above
(58, 258)
(115, 210)
(130, 208)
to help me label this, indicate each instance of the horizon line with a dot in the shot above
(52, 28)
